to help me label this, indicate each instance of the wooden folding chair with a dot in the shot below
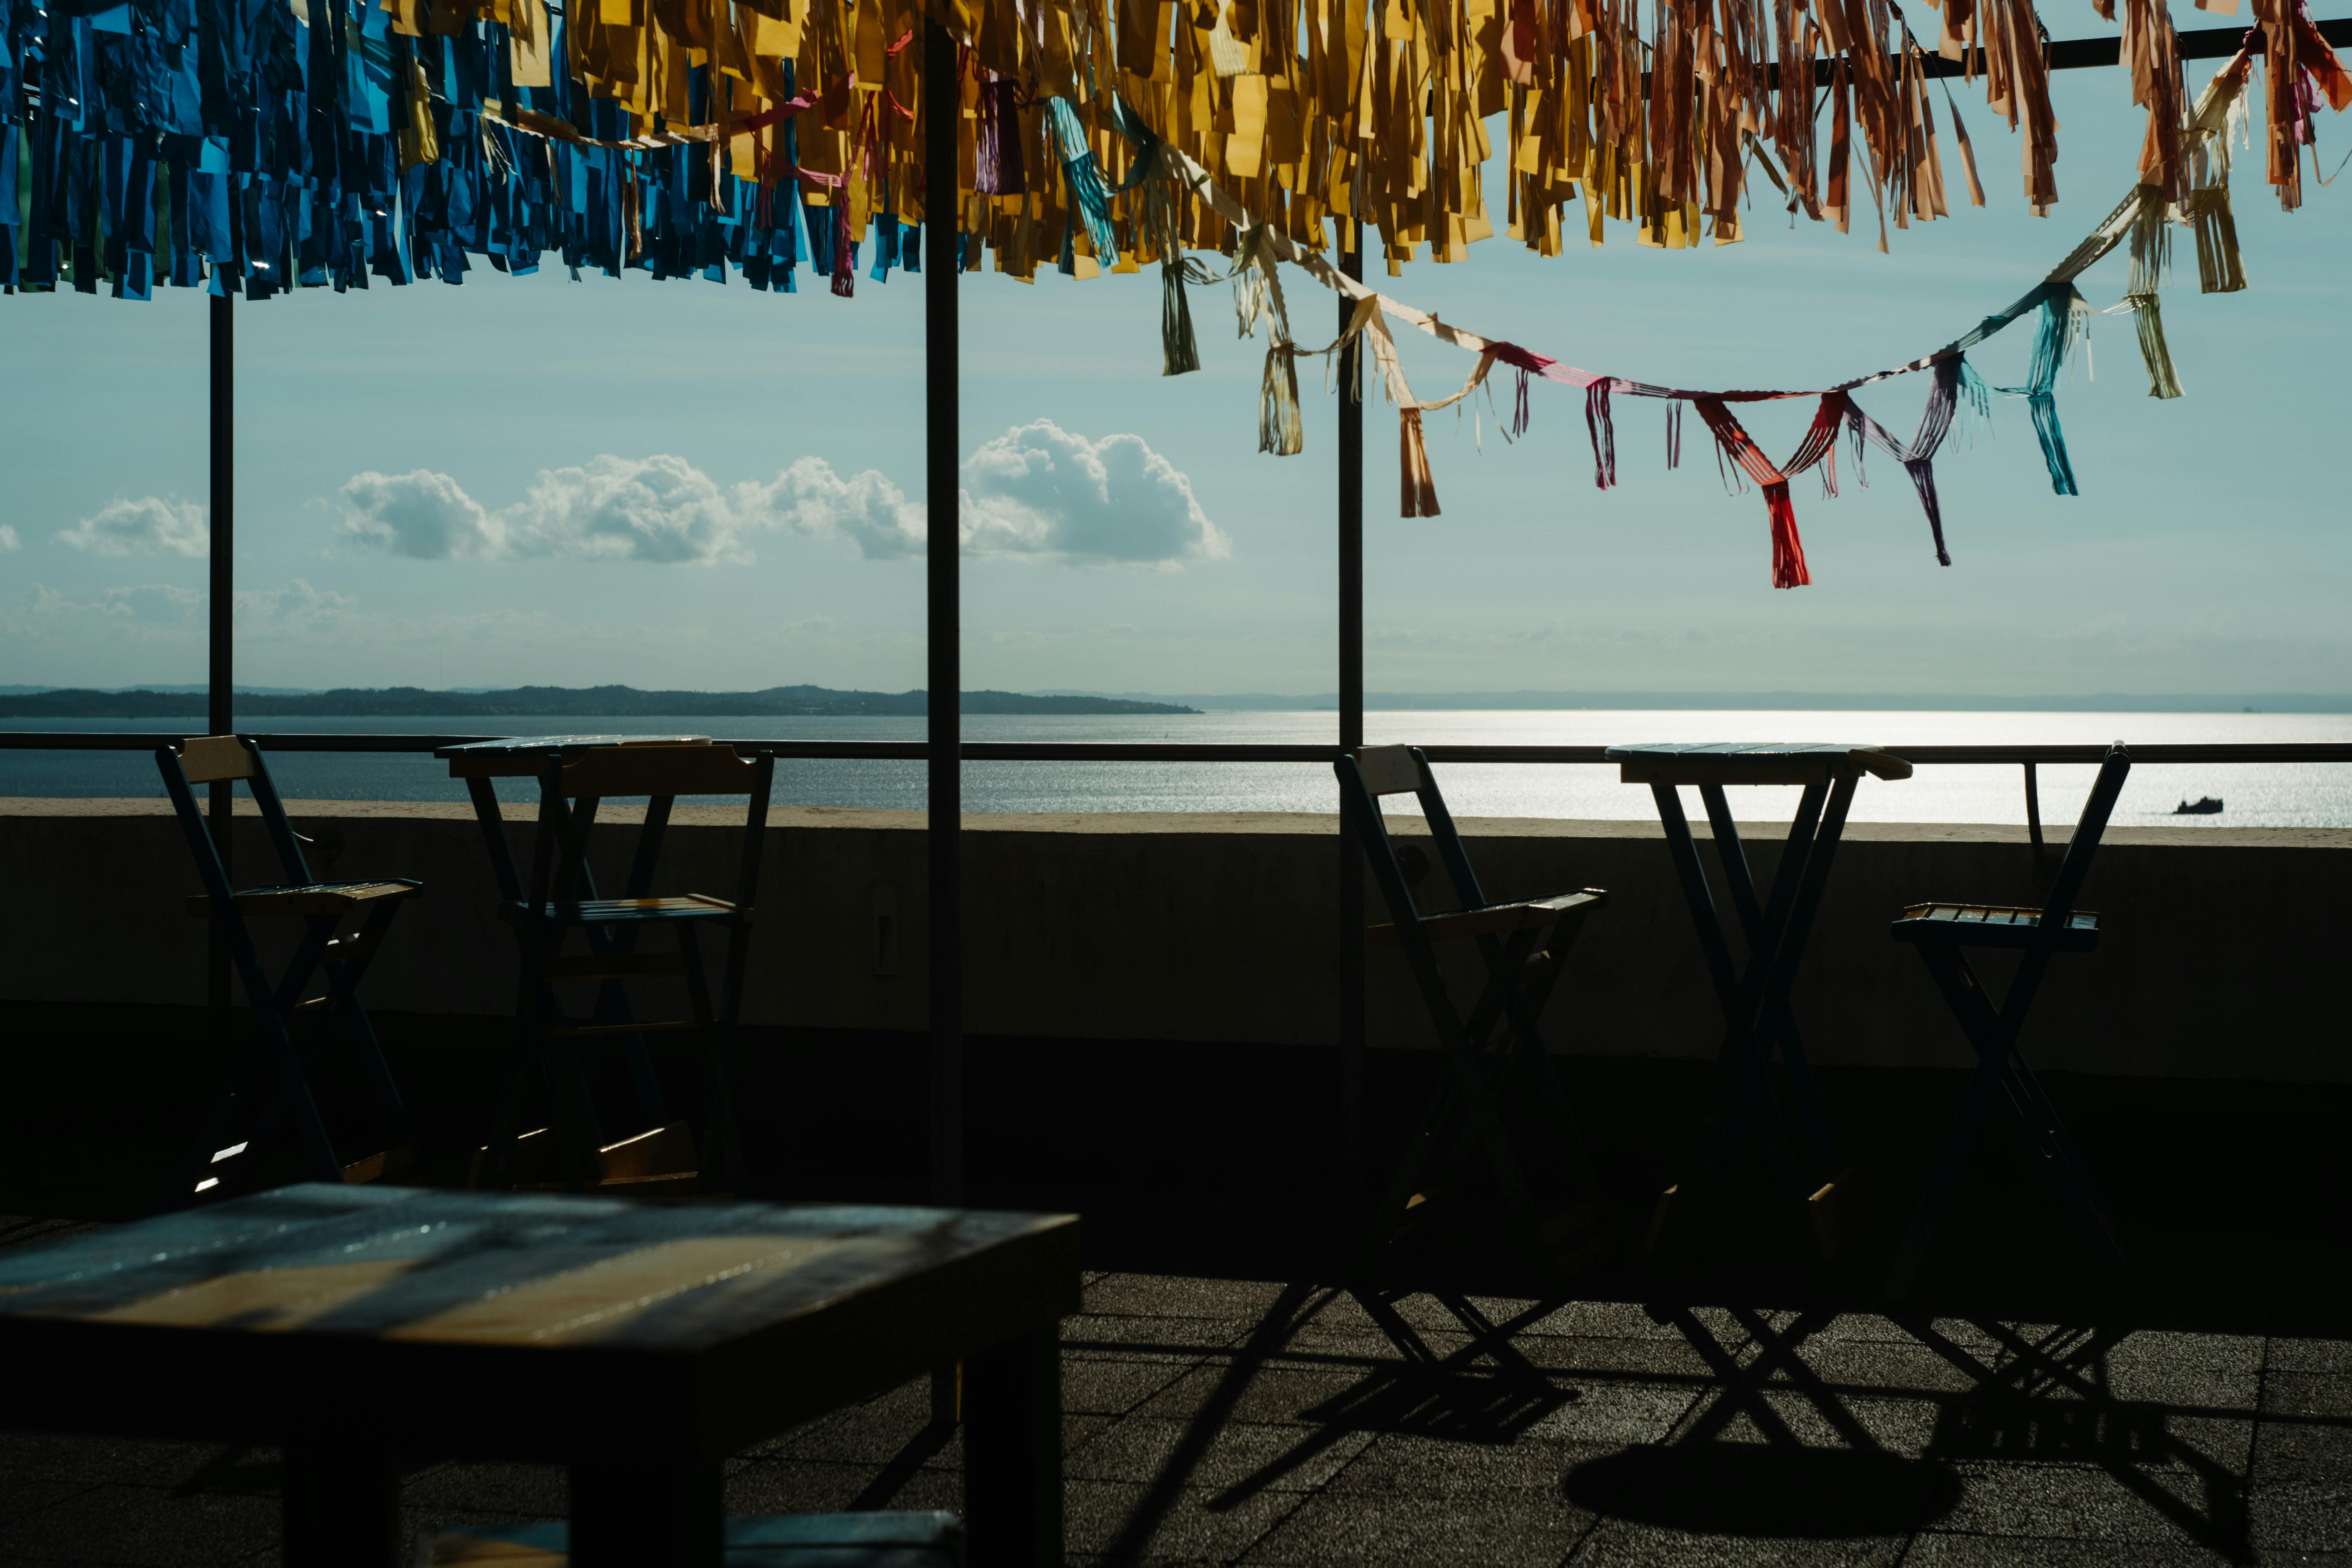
(1492, 1054)
(1941, 931)
(573, 1149)
(289, 1029)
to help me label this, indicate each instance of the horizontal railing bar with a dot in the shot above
(1190, 752)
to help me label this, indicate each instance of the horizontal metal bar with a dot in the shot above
(2082, 54)
(120, 741)
(1183, 751)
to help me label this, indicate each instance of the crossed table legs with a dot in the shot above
(1758, 1018)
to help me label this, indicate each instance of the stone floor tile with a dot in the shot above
(2314, 1396)
(1604, 1320)
(2301, 1516)
(489, 1490)
(1939, 1549)
(55, 1457)
(1620, 1543)
(1168, 1336)
(1170, 1296)
(1660, 1356)
(1605, 1411)
(1434, 1466)
(2309, 1355)
(1270, 1393)
(19, 1497)
(1127, 1520)
(1894, 1367)
(144, 1527)
(2208, 1373)
(817, 1486)
(2082, 1502)
(1906, 1427)
(1237, 1458)
(1117, 1385)
(2287, 1452)
(1513, 1529)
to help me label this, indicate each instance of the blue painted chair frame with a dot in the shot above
(289, 1030)
(1941, 933)
(1525, 945)
(560, 899)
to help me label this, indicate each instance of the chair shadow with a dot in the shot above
(1766, 1490)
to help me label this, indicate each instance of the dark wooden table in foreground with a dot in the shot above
(640, 1343)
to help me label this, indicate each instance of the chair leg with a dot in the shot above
(715, 1035)
(2000, 1071)
(2077, 1193)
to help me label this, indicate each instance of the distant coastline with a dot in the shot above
(552, 702)
(160, 700)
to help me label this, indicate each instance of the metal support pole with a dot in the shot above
(1352, 735)
(941, 108)
(219, 675)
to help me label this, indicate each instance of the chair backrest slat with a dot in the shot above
(1389, 770)
(2068, 885)
(211, 759)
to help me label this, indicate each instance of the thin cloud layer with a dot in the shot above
(150, 525)
(8, 540)
(1037, 490)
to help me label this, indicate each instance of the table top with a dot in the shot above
(1753, 763)
(521, 756)
(722, 1322)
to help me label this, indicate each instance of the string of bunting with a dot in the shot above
(2145, 217)
(258, 145)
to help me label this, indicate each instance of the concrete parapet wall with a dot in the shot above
(2224, 955)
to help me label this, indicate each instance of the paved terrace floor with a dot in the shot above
(1239, 1421)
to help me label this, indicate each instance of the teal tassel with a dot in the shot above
(2063, 317)
(1088, 199)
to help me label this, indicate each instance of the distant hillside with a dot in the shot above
(549, 702)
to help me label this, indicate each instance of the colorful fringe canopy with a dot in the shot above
(2202, 148)
(254, 145)
(258, 145)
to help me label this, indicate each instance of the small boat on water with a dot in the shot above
(2210, 806)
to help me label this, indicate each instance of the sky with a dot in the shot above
(684, 485)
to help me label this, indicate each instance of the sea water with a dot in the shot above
(2293, 794)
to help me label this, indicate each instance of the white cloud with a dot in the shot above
(867, 511)
(1036, 490)
(422, 514)
(8, 540)
(148, 526)
(1039, 490)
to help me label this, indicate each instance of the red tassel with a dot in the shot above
(1788, 550)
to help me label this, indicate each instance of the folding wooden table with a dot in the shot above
(638, 1343)
(1755, 1002)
